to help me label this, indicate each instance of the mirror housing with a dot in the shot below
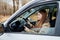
(1, 29)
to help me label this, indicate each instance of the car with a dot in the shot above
(13, 27)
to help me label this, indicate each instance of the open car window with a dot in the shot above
(38, 20)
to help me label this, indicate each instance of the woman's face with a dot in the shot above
(39, 16)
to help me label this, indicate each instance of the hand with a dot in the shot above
(32, 26)
(27, 29)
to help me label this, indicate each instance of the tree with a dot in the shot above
(24, 2)
(15, 5)
(17, 2)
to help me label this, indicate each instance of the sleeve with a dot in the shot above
(29, 30)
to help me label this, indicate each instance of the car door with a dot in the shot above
(30, 11)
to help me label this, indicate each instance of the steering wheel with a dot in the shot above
(27, 25)
(18, 26)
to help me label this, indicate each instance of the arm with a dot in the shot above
(29, 30)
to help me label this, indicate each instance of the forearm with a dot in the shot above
(29, 30)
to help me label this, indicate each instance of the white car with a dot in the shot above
(13, 27)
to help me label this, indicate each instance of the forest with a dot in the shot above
(8, 7)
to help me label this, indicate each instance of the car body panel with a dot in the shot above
(17, 36)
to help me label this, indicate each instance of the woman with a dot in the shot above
(42, 17)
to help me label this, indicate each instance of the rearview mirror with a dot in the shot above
(1, 29)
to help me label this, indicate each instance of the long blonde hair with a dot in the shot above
(41, 21)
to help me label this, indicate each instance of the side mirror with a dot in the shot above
(1, 29)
